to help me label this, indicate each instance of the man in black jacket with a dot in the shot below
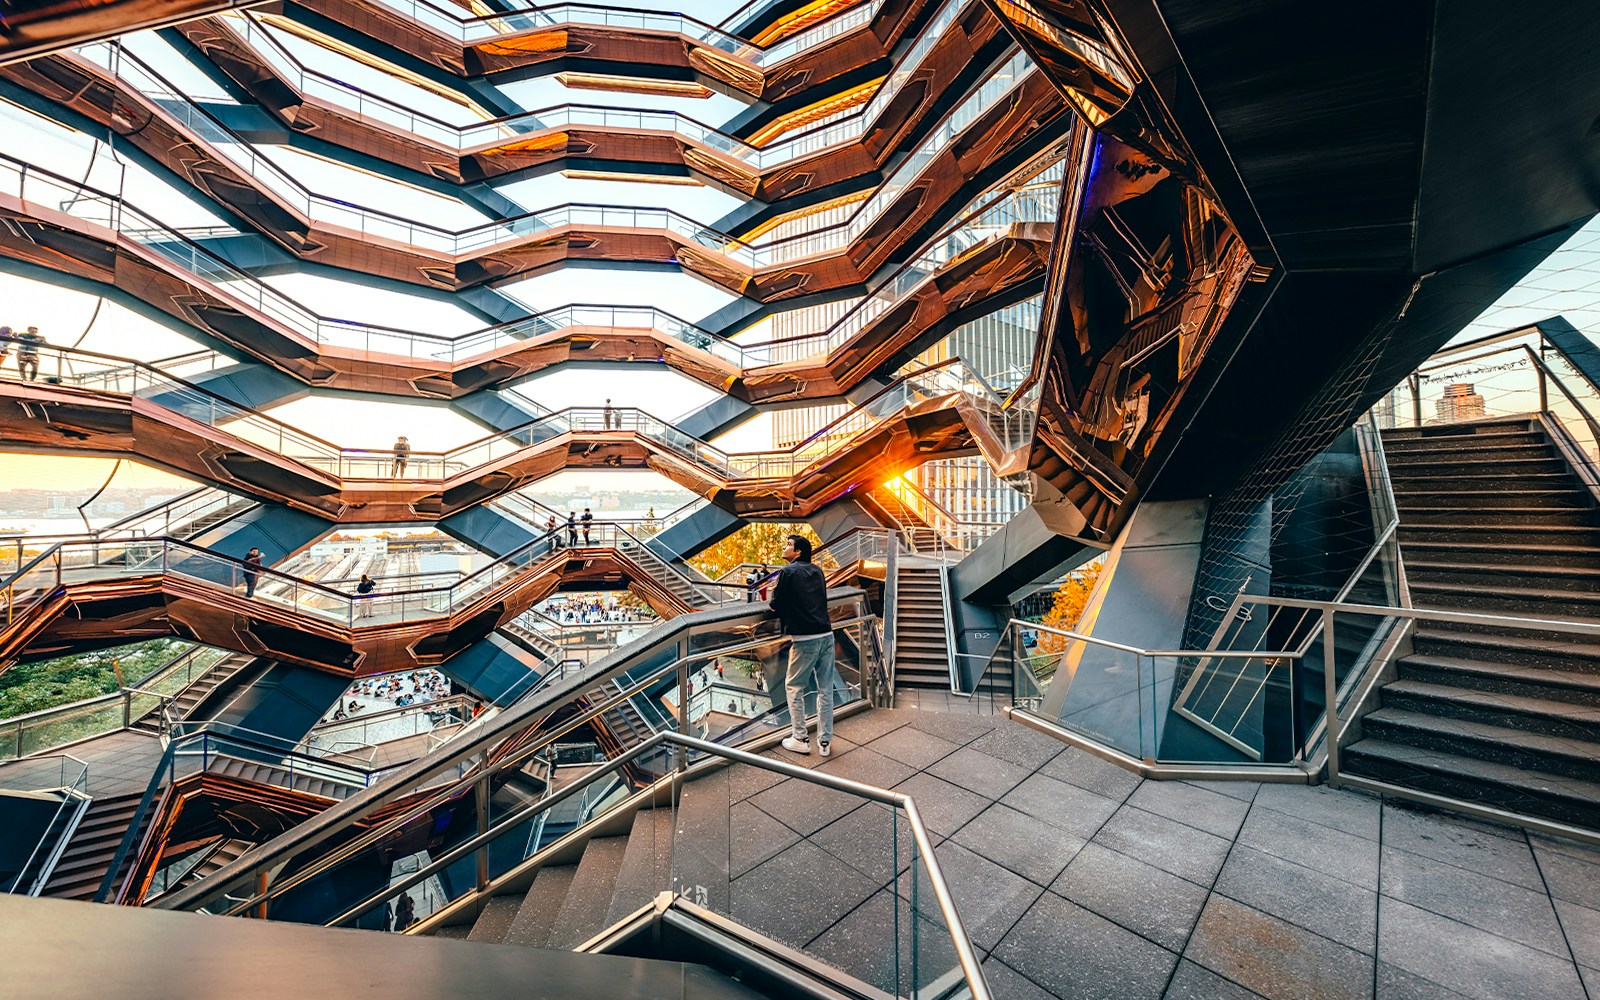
(800, 600)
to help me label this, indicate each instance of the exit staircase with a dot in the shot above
(921, 647)
(1493, 520)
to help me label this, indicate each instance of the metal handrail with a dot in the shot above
(511, 761)
(968, 960)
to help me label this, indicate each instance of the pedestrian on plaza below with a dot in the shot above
(800, 599)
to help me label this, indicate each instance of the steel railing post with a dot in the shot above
(1330, 691)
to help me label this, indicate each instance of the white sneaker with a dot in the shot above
(822, 748)
(796, 746)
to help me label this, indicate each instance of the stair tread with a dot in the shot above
(646, 866)
(1572, 646)
(1527, 548)
(583, 911)
(1503, 569)
(1558, 746)
(1527, 593)
(495, 919)
(1508, 671)
(1585, 792)
(1515, 703)
(536, 915)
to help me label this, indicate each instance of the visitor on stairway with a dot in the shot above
(365, 587)
(800, 599)
(572, 528)
(28, 344)
(608, 415)
(587, 519)
(554, 532)
(252, 570)
(402, 453)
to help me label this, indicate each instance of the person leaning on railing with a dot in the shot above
(800, 600)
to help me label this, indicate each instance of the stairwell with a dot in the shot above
(195, 694)
(93, 845)
(1493, 520)
(921, 650)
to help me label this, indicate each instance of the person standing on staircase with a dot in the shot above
(800, 600)
(402, 454)
(252, 571)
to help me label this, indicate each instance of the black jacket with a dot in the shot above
(800, 599)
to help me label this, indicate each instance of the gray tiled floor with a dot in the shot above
(1077, 879)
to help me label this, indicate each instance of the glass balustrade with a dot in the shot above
(994, 215)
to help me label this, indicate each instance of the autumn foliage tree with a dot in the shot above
(1066, 611)
(753, 543)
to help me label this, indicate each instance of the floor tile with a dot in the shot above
(797, 895)
(1020, 843)
(1312, 845)
(912, 747)
(1468, 960)
(1196, 982)
(1486, 903)
(1144, 899)
(1477, 847)
(1322, 904)
(1582, 927)
(1275, 958)
(1165, 844)
(978, 772)
(1085, 770)
(1075, 954)
(944, 807)
(1068, 807)
(1192, 806)
(1346, 811)
(1020, 745)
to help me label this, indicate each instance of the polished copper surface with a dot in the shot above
(30, 29)
(42, 418)
(623, 50)
(1147, 272)
(973, 38)
(1005, 269)
(133, 608)
(517, 249)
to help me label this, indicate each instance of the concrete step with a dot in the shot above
(1462, 565)
(646, 867)
(1537, 793)
(536, 914)
(1521, 648)
(1531, 715)
(1481, 741)
(1487, 495)
(1482, 675)
(1487, 478)
(1521, 602)
(1495, 430)
(1491, 514)
(588, 899)
(1437, 467)
(1409, 453)
(495, 919)
(1511, 536)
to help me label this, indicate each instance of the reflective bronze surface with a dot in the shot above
(51, 419)
(397, 249)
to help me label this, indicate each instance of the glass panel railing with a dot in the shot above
(453, 25)
(447, 817)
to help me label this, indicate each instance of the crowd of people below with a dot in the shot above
(598, 610)
(413, 687)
